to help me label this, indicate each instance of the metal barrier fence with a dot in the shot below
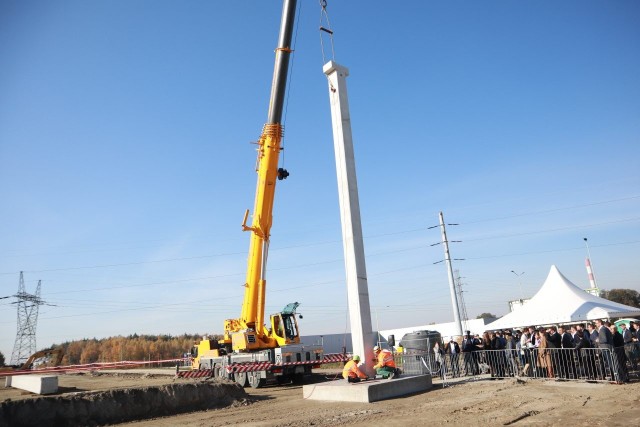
(586, 364)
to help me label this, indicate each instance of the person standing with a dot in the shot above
(525, 351)
(585, 334)
(627, 338)
(567, 364)
(633, 328)
(605, 344)
(469, 347)
(437, 354)
(544, 355)
(554, 337)
(511, 353)
(585, 356)
(593, 334)
(453, 350)
(620, 362)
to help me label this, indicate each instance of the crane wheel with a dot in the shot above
(254, 379)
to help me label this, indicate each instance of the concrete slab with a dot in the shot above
(367, 391)
(39, 384)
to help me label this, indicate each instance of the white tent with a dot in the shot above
(560, 301)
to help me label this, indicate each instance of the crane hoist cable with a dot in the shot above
(325, 27)
(324, 16)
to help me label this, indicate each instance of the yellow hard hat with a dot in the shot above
(356, 358)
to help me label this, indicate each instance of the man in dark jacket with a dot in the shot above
(554, 337)
(469, 348)
(567, 366)
(605, 344)
(605, 339)
(619, 354)
(585, 356)
(453, 350)
(593, 334)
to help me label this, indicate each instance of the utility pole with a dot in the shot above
(461, 303)
(520, 285)
(447, 258)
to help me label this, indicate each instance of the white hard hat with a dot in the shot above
(376, 348)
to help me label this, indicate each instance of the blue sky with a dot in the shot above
(127, 163)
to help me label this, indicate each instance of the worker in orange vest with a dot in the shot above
(352, 373)
(386, 366)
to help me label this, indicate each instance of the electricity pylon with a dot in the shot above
(28, 305)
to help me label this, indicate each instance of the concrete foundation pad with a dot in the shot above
(367, 391)
(40, 384)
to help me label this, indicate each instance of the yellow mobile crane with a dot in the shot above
(249, 352)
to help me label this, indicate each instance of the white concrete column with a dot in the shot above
(357, 288)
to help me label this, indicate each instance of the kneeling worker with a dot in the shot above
(386, 366)
(352, 373)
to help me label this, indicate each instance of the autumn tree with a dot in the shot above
(623, 296)
(90, 352)
(132, 348)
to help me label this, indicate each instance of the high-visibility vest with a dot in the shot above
(385, 358)
(352, 370)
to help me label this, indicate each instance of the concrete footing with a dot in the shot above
(39, 384)
(367, 391)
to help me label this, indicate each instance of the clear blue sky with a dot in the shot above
(127, 164)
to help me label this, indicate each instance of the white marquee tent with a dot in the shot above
(560, 301)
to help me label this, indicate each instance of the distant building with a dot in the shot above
(339, 343)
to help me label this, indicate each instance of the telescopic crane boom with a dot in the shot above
(248, 332)
(270, 353)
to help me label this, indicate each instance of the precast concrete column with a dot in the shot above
(356, 272)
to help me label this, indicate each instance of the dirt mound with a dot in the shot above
(120, 405)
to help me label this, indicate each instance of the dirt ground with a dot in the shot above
(493, 402)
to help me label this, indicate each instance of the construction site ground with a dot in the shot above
(482, 401)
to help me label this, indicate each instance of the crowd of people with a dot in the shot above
(592, 351)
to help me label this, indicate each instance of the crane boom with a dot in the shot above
(270, 353)
(269, 146)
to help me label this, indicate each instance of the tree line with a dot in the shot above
(131, 348)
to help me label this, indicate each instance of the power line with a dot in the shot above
(551, 230)
(552, 210)
(313, 244)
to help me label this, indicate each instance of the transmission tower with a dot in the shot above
(461, 304)
(28, 305)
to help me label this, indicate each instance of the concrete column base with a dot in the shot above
(367, 391)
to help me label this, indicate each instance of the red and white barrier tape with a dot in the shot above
(196, 374)
(234, 367)
(265, 366)
(88, 367)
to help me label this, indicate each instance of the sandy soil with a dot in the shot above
(73, 383)
(497, 402)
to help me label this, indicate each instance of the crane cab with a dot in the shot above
(284, 326)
